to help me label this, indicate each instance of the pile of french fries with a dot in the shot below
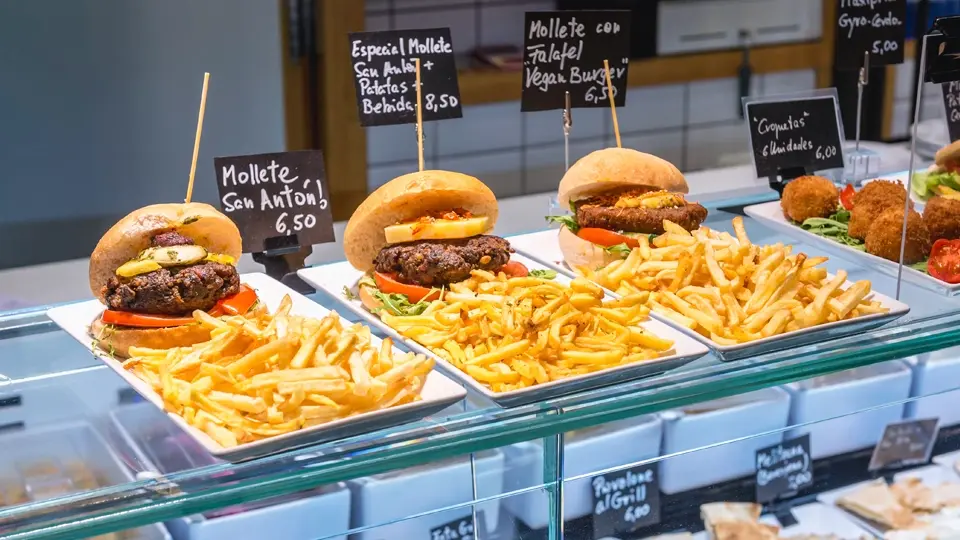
(730, 290)
(268, 375)
(513, 333)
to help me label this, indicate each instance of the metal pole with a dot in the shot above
(862, 81)
(913, 158)
(567, 126)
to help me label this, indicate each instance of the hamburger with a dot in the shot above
(943, 177)
(418, 233)
(617, 195)
(157, 265)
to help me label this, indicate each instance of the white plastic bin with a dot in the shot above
(611, 445)
(932, 373)
(161, 447)
(396, 495)
(714, 422)
(845, 393)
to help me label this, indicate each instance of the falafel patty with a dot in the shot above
(942, 218)
(883, 236)
(809, 197)
(872, 200)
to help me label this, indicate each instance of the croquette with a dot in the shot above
(809, 197)
(872, 200)
(942, 218)
(883, 237)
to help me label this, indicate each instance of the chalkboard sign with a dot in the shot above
(783, 469)
(385, 76)
(459, 529)
(796, 133)
(625, 500)
(951, 103)
(875, 26)
(564, 51)
(905, 443)
(270, 195)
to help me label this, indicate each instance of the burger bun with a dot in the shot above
(409, 197)
(948, 154)
(204, 224)
(368, 300)
(578, 252)
(611, 168)
(117, 340)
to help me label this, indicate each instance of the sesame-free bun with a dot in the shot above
(615, 168)
(206, 226)
(578, 252)
(117, 340)
(408, 197)
(948, 153)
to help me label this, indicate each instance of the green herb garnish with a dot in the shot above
(543, 273)
(399, 304)
(189, 220)
(920, 267)
(348, 294)
(834, 227)
(622, 250)
(569, 222)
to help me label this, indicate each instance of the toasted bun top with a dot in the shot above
(950, 152)
(618, 167)
(408, 197)
(131, 235)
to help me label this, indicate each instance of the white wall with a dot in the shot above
(99, 99)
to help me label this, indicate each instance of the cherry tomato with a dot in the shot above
(846, 197)
(944, 262)
(515, 269)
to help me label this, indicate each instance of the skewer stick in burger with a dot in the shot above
(617, 195)
(420, 232)
(157, 265)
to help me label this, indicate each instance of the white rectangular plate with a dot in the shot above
(543, 247)
(438, 393)
(771, 215)
(333, 278)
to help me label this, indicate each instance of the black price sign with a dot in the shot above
(624, 501)
(905, 443)
(951, 102)
(386, 80)
(271, 195)
(797, 133)
(878, 27)
(564, 51)
(784, 468)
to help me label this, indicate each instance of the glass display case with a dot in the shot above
(85, 456)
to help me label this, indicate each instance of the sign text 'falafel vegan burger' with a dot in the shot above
(617, 195)
(420, 232)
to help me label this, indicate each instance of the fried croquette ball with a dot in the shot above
(942, 218)
(808, 197)
(883, 237)
(872, 200)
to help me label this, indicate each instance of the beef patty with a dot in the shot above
(432, 263)
(640, 220)
(177, 290)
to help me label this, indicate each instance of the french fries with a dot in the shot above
(272, 374)
(513, 333)
(730, 290)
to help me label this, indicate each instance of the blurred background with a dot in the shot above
(98, 98)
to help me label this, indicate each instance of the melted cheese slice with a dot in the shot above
(439, 229)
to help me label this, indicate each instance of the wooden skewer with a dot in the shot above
(419, 118)
(196, 142)
(613, 103)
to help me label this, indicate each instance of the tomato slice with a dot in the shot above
(515, 269)
(944, 263)
(846, 197)
(126, 318)
(239, 303)
(388, 283)
(605, 238)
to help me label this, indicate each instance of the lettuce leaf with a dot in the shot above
(567, 221)
(924, 184)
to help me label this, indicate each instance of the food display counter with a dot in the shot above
(633, 456)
